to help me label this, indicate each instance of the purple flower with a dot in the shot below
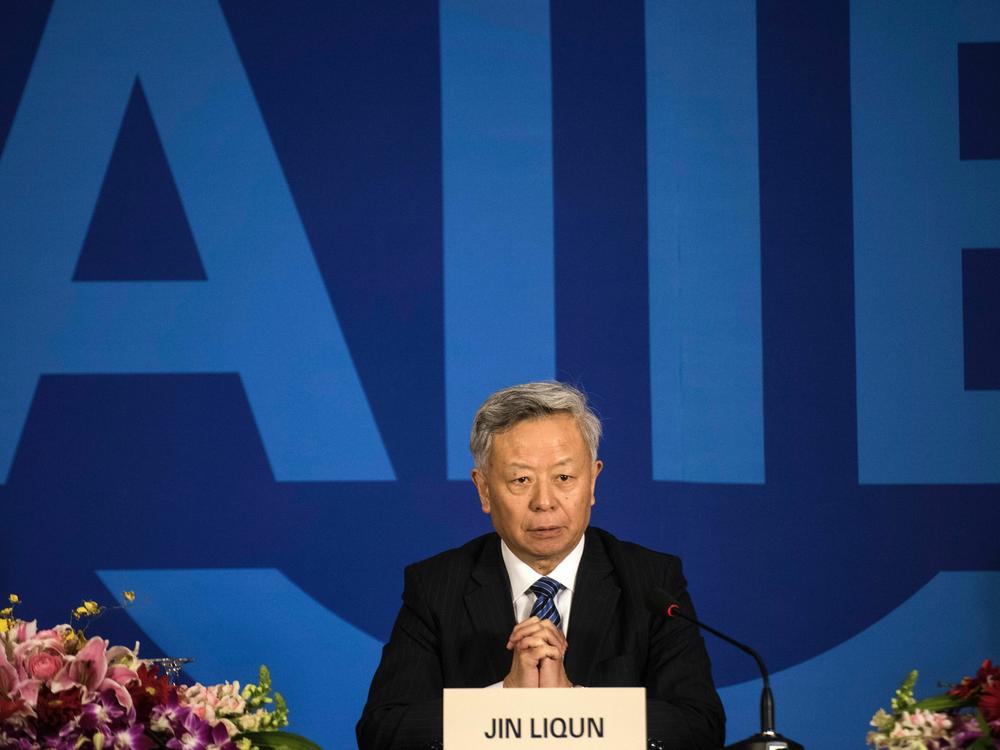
(67, 738)
(131, 738)
(220, 738)
(966, 730)
(102, 712)
(190, 731)
(169, 717)
(193, 734)
(13, 740)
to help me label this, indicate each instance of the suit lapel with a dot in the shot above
(488, 605)
(594, 602)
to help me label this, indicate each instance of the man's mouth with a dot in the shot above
(545, 531)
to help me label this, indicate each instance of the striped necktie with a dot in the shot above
(544, 608)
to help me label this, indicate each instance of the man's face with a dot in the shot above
(538, 486)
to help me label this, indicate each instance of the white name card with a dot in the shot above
(545, 718)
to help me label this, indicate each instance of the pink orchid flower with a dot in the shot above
(26, 631)
(88, 668)
(121, 694)
(27, 690)
(121, 674)
(8, 675)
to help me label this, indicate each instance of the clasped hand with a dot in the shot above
(538, 650)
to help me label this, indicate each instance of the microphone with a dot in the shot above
(662, 604)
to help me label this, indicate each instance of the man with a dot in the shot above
(497, 612)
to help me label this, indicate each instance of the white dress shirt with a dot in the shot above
(522, 576)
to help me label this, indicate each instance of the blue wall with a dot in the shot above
(259, 264)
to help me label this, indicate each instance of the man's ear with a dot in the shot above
(598, 465)
(482, 487)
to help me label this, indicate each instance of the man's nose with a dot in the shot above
(544, 498)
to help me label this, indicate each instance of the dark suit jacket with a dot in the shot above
(456, 616)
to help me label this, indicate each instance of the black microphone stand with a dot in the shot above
(767, 738)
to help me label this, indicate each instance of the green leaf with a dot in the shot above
(983, 726)
(280, 741)
(941, 702)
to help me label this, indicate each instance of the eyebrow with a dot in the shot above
(518, 465)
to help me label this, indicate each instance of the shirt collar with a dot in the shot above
(522, 575)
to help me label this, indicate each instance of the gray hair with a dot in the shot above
(505, 408)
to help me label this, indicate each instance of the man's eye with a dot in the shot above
(522, 480)
(564, 477)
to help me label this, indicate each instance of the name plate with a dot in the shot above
(545, 718)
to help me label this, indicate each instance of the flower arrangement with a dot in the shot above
(64, 690)
(967, 716)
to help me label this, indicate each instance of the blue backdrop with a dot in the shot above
(260, 262)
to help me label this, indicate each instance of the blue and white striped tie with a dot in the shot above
(544, 608)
